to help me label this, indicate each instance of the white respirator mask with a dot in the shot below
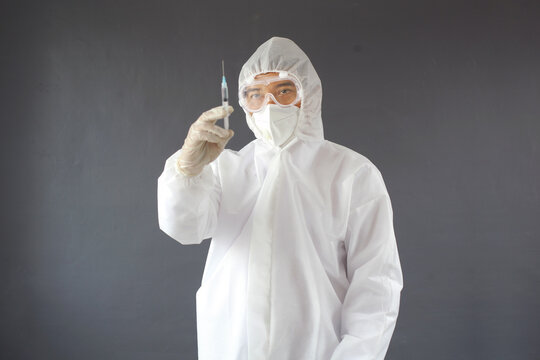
(276, 124)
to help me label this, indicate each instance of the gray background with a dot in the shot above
(443, 96)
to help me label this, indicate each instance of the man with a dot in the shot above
(303, 262)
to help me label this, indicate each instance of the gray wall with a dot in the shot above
(443, 96)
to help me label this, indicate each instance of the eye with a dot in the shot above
(286, 92)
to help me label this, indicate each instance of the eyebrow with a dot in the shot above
(247, 91)
(288, 83)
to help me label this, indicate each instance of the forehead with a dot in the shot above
(266, 75)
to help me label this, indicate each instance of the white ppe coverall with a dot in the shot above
(303, 262)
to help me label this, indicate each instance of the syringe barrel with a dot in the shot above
(224, 93)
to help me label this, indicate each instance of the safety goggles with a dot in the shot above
(284, 90)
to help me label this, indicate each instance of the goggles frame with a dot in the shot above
(283, 76)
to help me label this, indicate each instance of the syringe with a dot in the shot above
(224, 95)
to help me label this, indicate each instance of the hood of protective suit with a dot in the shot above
(280, 54)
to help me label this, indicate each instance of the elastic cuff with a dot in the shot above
(179, 169)
(193, 179)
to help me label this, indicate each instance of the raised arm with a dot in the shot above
(189, 190)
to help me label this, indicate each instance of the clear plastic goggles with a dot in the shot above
(284, 90)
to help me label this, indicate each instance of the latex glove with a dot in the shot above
(204, 142)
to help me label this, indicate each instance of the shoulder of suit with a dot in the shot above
(352, 158)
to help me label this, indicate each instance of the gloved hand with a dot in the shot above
(204, 142)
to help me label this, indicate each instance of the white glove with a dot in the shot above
(204, 142)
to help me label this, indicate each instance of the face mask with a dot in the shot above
(276, 124)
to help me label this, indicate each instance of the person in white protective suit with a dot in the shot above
(303, 262)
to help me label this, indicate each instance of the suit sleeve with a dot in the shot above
(188, 206)
(371, 304)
